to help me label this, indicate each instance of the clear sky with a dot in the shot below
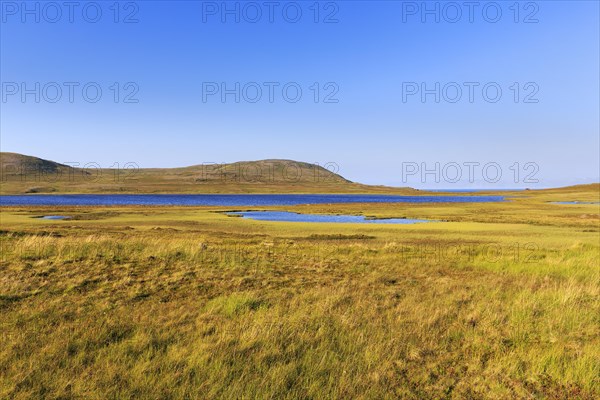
(370, 61)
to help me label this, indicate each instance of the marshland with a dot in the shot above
(497, 300)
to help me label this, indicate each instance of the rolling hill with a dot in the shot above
(27, 174)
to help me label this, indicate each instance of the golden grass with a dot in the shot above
(174, 302)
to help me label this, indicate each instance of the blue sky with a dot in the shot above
(371, 57)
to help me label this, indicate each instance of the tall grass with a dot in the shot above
(296, 311)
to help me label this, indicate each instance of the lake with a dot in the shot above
(227, 199)
(284, 216)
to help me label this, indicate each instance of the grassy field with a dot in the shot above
(495, 301)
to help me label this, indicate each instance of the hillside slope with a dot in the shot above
(26, 174)
(13, 163)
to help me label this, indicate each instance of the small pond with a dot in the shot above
(285, 216)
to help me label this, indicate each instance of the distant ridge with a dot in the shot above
(28, 174)
(584, 186)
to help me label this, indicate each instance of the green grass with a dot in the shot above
(500, 302)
